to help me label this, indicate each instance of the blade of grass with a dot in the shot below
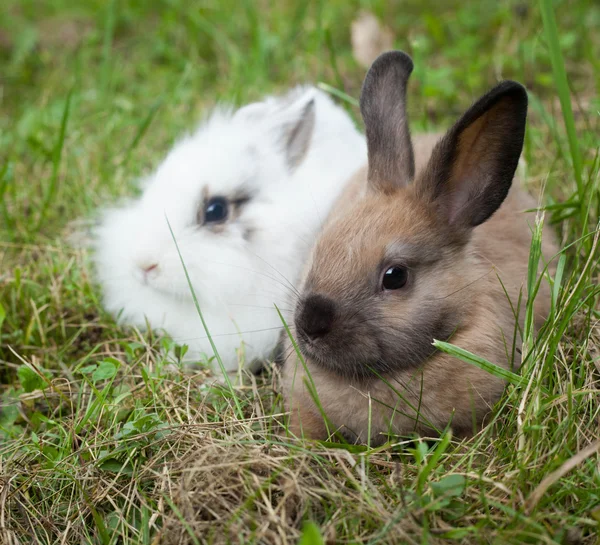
(558, 276)
(56, 161)
(417, 409)
(142, 129)
(480, 362)
(310, 385)
(562, 88)
(6, 217)
(559, 473)
(182, 520)
(107, 49)
(240, 412)
(432, 461)
(297, 21)
(337, 93)
(333, 58)
(535, 254)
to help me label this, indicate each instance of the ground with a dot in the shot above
(102, 442)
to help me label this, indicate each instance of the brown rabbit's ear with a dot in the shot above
(383, 107)
(471, 169)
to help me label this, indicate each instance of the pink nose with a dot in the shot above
(149, 268)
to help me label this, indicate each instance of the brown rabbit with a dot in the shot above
(402, 262)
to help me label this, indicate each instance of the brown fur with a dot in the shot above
(458, 291)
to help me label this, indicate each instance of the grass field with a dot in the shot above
(101, 442)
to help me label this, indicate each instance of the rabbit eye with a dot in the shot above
(395, 278)
(216, 210)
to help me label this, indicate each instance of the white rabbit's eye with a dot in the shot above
(395, 278)
(216, 210)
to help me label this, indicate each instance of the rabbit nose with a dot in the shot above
(316, 316)
(148, 267)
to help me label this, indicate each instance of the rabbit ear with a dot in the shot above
(290, 118)
(383, 107)
(296, 132)
(471, 169)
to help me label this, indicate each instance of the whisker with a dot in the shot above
(278, 272)
(238, 333)
(261, 307)
(270, 277)
(271, 296)
(465, 286)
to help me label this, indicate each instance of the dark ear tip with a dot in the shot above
(513, 89)
(395, 59)
(392, 68)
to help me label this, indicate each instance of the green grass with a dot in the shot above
(102, 442)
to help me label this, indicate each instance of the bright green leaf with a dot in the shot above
(107, 369)
(311, 535)
(480, 362)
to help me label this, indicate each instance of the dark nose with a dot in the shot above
(316, 316)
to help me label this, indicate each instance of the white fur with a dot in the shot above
(237, 281)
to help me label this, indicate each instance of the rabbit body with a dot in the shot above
(368, 350)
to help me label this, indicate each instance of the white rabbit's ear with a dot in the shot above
(296, 129)
(290, 119)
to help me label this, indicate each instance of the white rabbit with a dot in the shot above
(245, 196)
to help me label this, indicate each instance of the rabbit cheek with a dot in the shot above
(407, 343)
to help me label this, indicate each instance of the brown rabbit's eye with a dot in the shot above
(216, 210)
(395, 278)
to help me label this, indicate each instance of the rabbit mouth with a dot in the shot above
(309, 349)
(315, 350)
(347, 360)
